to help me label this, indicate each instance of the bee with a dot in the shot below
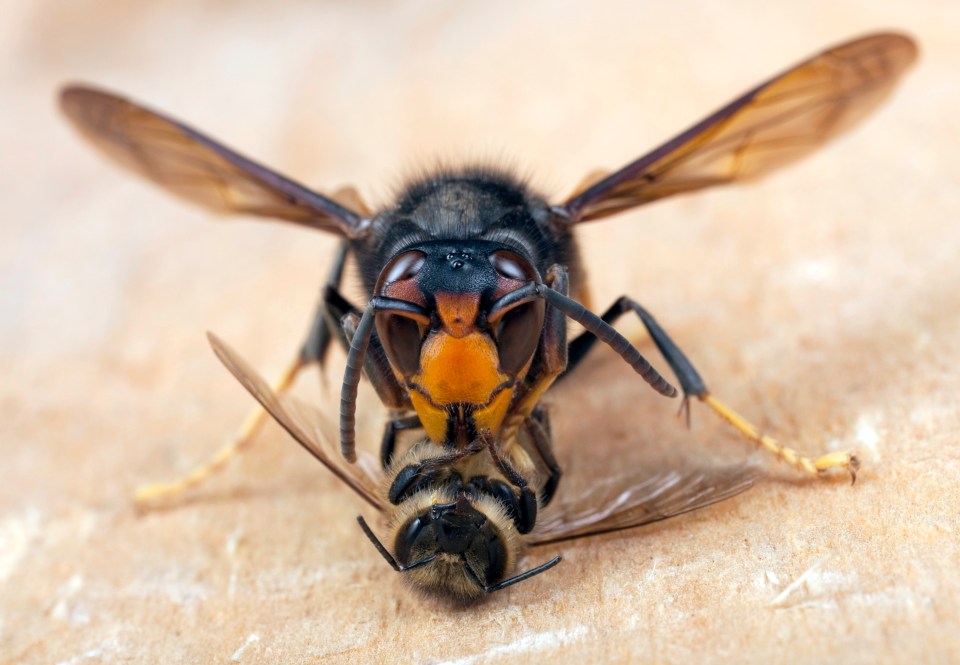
(470, 276)
(457, 530)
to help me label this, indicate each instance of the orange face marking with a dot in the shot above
(433, 419)
(458, 311)
(459, 369)
(491, 417)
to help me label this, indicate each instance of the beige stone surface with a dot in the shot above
(823, 302)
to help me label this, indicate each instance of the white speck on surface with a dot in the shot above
(807, 576)
(535, 642)
(86, 655)
(16, 532)
(815, 271)
(651, 573)
(233, 540)
(238, 654)
(60, 608)
(866, 435)
(765, 578)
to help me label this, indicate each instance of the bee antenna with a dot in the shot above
(389, 557)
(513, 580)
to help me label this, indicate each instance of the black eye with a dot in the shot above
(518, 334)
(419, 533)
(405, 266)
(511, 266)
(496, 559)
(488, 556)
(400, 337)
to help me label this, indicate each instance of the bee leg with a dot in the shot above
(415, 477)
(313, 349)
(693, 385)
(520, 515)
(527, 504)
(389, 441)
(409, 481)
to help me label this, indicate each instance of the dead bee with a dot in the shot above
(468, 274)
(457, 529)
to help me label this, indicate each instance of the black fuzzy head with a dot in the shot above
(462, 204)
(468, 546)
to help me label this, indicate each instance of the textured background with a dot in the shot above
(824, 303)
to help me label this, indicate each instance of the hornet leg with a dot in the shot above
(314, 349)
(693, 385)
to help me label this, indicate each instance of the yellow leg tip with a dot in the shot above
(843, 460)
(148, 493)
(817, 467)
(153, 494)
(146, 496)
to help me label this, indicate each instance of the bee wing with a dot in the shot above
(197, 168)
(631, 501)
(307, 425)
(775, 123)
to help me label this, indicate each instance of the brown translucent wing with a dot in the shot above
(775, 123)
(631, 501)
(307, 425)
(197, 168)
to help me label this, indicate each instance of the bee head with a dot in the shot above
(458, 550)
(469, 550)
